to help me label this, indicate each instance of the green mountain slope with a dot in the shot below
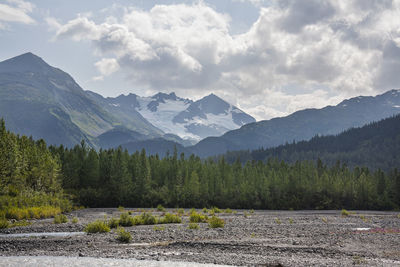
(45, 102)
(304, 124)
(375, 145)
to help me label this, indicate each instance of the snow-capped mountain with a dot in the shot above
(209, 116)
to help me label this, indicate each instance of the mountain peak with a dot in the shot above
(23, 63)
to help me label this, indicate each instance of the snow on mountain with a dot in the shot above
(209, 116)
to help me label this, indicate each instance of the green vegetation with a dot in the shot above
(123, 235)
(194, 226)
(114, 177)
(98, 226)
(126, 220)
(216, 210)
(344, 213)
(197, 218)
(113, 223)
(181, 212)
(291, 221)
(398, 216)
(4, 224)
(158, 228)
(170, 218)
(121, 209)
(215, 222)
(160, 208)
(21, 223)
(228, 211)
(30, 179)
(61, 218)
(277, 221)
(74, 220)
(33, 177)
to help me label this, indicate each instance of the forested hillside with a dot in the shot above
(113, 177)
(34, 177)
(375, 145)
(30, 184)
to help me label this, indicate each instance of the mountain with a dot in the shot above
(375, 145)
(304, 124)
(45, 102)
(191, 121)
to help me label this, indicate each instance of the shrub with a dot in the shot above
(277, 221)
(197, 218)
(148, 219)
(97, 227)
(192, 210)
(252, 211)
(170, 218)
(398, 216)
(32, 212)
(290, 220)
(228, 210)
(126, 220)
(216, 222)
(60, 219)
(121, 209)
(345, 213)
(20, 223)
(181, 212)
(216, 210)
(160, 208)
(123, 235)
(205, 210)
(193, 226)
(74, 220)
(4, 224)
(113, 223)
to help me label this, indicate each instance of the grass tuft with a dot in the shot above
(61, 218)
(194, 226)
(160, 208)
(344, 213)
(98, 226)
(113, 223)
(123, 235)
(170, 218)
(4, 224)
(197, 218)
(216, 222)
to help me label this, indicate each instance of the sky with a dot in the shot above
(267, 57)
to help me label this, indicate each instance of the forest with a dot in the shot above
(113, 177)
(375, 145)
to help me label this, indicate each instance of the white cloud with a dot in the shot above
(343, 48)
(107, 66)
(16, 11)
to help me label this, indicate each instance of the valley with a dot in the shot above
(272, 238)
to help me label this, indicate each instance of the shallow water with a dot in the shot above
(58, 234)
(88, 261)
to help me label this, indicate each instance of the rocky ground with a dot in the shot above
(265, 238)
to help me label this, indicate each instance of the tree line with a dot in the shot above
(29, 174)
(113, 177)
(375, 145)
(32, 174)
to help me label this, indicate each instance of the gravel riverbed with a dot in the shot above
(264, 238)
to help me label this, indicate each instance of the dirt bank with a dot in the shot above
(268, 238)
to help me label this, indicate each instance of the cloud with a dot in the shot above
(329, 49)
(16, 11)
(107, 66)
